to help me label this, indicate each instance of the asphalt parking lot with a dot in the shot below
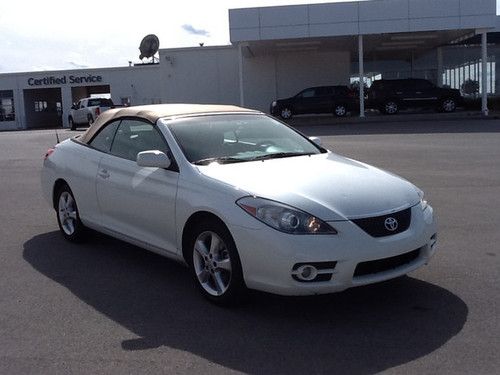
(108, 307)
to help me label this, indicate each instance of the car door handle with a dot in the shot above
(419, 92)
(103, 173)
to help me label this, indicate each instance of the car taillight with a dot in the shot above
(97, 111)
(49, 152)
(351, 94)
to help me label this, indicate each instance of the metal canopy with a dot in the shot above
(394, 46)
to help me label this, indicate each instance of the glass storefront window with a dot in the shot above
(7, 112)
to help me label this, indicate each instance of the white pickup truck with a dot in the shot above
(87, 110)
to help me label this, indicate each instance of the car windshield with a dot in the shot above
(238, 138)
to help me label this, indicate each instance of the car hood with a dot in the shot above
(327, 185)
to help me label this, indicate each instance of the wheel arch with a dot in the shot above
(190, 225)
(58, 184)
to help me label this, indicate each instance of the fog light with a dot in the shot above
(307, 272)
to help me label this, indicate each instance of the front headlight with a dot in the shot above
(283, 217)
(423, 203)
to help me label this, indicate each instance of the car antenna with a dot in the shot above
(57, 136)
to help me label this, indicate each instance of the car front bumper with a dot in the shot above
(270, 258)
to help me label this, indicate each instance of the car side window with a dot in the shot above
(324, 91)
(134, 136)
(103, 140)
(310, 93)
(423, 85)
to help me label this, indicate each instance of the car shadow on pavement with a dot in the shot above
(360, 331)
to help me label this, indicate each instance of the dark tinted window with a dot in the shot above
(341, 90)
(134, 136)
(377, 85)
(324, 91)
(100, 102)
(309, 93)
(395, 84)
(423, 85)
(103, 140)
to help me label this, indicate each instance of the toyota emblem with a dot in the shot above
(391, 224)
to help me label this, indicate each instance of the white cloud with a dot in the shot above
(190, 29)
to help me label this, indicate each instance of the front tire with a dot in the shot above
(286, 113)
(215, 263)
(72, 124)
(68, 217)
(340, 110)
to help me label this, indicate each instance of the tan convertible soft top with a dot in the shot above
(154, 112)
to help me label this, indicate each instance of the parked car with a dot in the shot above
(241, 198)
(87, 110)
(338, 100)
(389, 96)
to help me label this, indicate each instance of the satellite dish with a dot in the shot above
(149, 46)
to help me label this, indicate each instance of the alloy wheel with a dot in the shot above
(340, 111)
(286, 113)
(391, 108)
(67, 213)
(449, 105)
(212, 263)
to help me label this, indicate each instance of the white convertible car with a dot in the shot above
(244, 200)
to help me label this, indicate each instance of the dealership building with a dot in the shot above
(277, 51)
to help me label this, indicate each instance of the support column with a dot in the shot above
(240, 61)
(484, 73)
(67, 102)
(440, 67)
(361, 77)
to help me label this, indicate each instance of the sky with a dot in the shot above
(60, 34)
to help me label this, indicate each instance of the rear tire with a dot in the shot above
(390, 107)
(215, 264)
(90, 119)
(448, 105)
(68, 216)
(340, 110)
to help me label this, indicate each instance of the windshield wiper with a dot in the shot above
(279, 155)
(229, 159)
(220, 160)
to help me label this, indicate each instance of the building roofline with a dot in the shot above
(196, 48)
(81, 71)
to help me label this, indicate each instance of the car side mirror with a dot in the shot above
(73, 106)
(316, 140)
(153, 158)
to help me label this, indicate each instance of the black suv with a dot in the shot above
(338, 100)
(389, 96)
